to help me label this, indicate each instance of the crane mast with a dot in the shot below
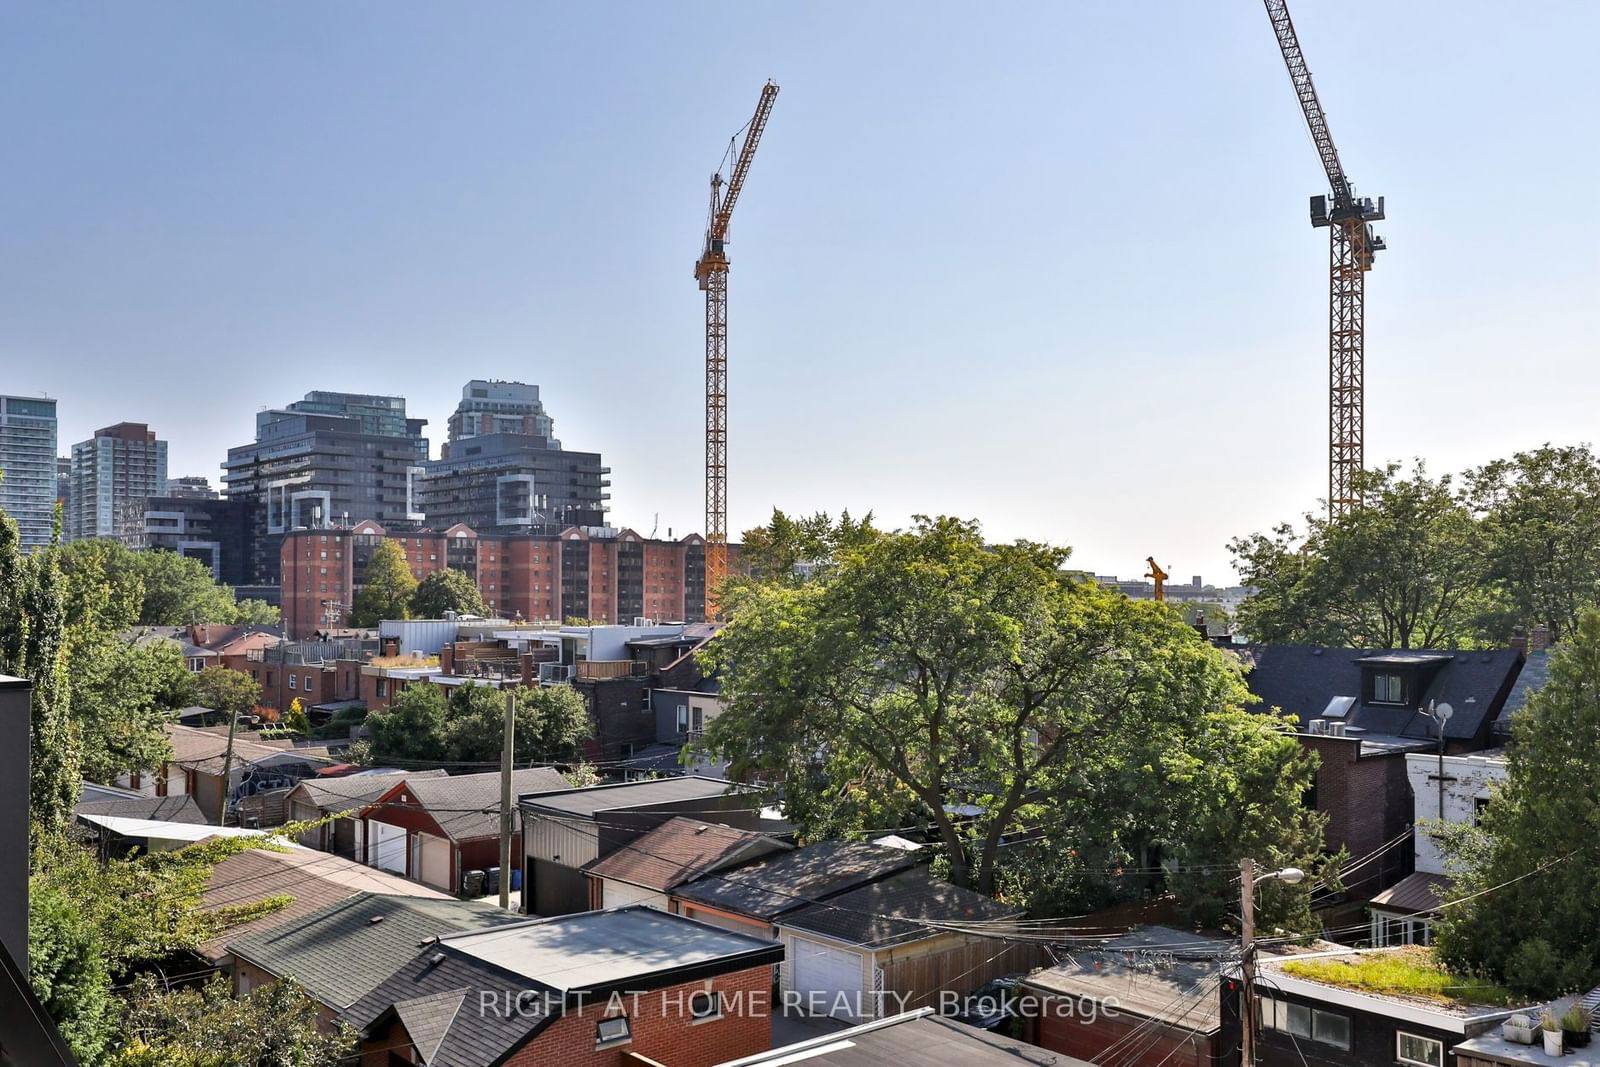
(1352, 245)
(711, 271)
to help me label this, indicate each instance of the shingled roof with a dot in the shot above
(337, 794)
(1303, 679)
(467, 806)
(311, 880)
(682, 849)
(885, 913)
(772, 887)
(342, 952)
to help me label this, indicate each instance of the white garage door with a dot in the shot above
(828, 979)
(435, 869)
(386, 847)
(621, 894)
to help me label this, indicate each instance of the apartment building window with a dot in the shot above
(291, 681)
(308, 683)
(1419, 1050)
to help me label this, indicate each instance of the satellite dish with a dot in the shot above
(1444, 711)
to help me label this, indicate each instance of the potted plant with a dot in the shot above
(1551, 1025)
(1575, 1023)
(1520, 1029)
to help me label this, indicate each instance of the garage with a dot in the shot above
(827, 979)
(435, 867)
(386, 847)
(620, 894)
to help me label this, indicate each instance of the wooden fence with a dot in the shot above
(959, 969)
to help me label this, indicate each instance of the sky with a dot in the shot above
(1045, 265)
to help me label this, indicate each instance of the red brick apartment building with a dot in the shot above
(604, 574)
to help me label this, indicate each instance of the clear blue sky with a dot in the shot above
(1048, 265)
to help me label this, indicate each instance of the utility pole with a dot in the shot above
(227, 769)
(1247, 938)
(505, 799)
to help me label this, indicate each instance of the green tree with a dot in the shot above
(32, 632)
(411, 728)
(551, 722)
(447, 590)
(226, 690)
(250, 612)
(103, 587)
(207, 1026)
(1541, 524)
(792, 550)
(1404, 570)
(123, 695)
(927, 671)
(1528, 911)
(388, 589)
(179, 590)
(69, 972)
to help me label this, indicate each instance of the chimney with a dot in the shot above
(447, 658)
(1519, 639)
(1539, 640)
(528, 672)
(389, 646)
(16, 718)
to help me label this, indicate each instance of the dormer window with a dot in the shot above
(1388, 688)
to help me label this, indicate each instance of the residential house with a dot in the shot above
(1362, 713)
(568, 829)
(195, 656)
(1150, 996)
(434, 830)
(132, 804)
(596, 989)
(1535, 674)
(316, 798)
(919, 1037)
(1307, 1019)
(257, 768)
(340, 953)
(900, 942)
(646, 870)
(1454, 789)
(310, 880)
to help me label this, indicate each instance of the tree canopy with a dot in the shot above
(388, 588)
(424, 725)
(123, 588)
(1404, 570)
(1529, 904)
(207, 1026)
(447, 590)
(976, 689)
(226, 690)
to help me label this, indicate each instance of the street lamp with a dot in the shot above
(1247, 939)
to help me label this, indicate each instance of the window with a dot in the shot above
(1478, 806)
(704, 1007)
(1413, 1048)
(683, 718)
(1300, 1020)
(291, 681)
(308, 683)
(611, 1032)
(1388, 689)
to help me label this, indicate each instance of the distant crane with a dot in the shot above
(711, 271)
(1157, 575)
(1352, 246)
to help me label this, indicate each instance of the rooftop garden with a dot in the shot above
(405, 661)
(1406, 972)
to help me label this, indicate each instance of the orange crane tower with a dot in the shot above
(1159, 576)
(1352, 245)
(711, 271)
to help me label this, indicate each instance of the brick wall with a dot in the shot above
(663, 1030)
(1368, 803)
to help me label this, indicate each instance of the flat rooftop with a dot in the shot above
(586, 800)
(600, 949)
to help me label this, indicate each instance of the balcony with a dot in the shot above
(599, 670)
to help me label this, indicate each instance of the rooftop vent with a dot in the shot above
(375, 920)
(1336, 728)
(1317, 726)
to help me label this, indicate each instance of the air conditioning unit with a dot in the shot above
(1336, 729)
(1317, 726)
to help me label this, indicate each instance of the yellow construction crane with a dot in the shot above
(1350, 256)
(1157, 575)
(711, 271)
